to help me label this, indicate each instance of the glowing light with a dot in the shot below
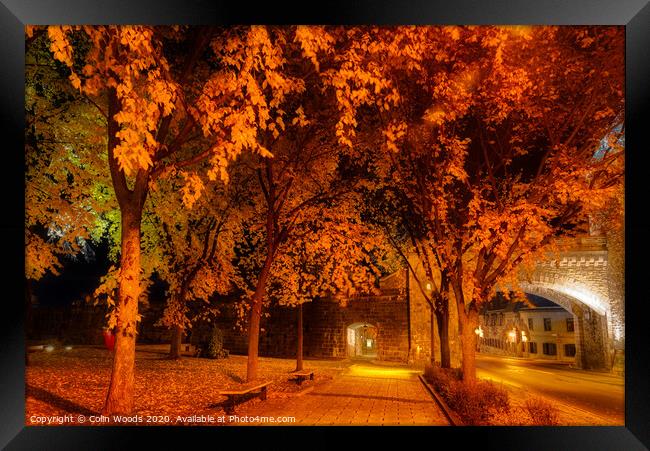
(588, 298)
(479, 331)
(524, 338)
(369, 343)
(512, 335)
(581, 294)
(49, 348)
(351, 337)
(67, 348)
(428, 286)
(387, 372)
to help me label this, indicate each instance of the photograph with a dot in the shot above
(324, 225)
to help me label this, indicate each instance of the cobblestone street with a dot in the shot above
(366, 394)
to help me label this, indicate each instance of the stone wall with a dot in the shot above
(326, 323)
(592, 338)
(616, 285)
(420, 321)
(79, 323)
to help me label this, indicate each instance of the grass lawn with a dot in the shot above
(76, 381)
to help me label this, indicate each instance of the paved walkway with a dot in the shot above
(365, 394)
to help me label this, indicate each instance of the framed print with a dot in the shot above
(368, 215)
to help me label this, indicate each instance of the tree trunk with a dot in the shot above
(442, 318)
(120, 391)
(177, 339)
(254, 320)
(468, 321)
(299, 350)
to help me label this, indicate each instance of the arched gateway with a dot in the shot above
(362, 340)
(580, 281)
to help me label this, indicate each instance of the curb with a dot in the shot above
(453, 418)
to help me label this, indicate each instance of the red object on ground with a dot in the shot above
(109, 340)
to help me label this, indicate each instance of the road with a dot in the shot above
(601, 394)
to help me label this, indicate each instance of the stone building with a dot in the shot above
(542, 330)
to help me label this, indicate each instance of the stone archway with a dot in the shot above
(362, 340)
(590, 319)
(579, 279)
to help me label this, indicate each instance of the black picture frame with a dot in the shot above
(633, 14)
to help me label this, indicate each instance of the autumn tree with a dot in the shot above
(61, 202)
(197, 247)
(400, 195)
(334, 254)
(404, 228)
(291, 190)
(61, 189)
(172, 97)
(519, 129)
(303, 172)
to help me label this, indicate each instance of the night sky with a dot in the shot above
(77, 278)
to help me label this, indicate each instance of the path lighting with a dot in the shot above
(49, 348)
(67, 348)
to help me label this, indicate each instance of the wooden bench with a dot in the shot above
(236, 395)
(300, 376)
(189, 349)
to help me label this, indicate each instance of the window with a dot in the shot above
(569, 324)
(532, 347)
(550, 349)
(530, 324)
(547, 324)
(500, 319)
(570, 350)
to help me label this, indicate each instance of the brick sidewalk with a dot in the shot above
(365, 394)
